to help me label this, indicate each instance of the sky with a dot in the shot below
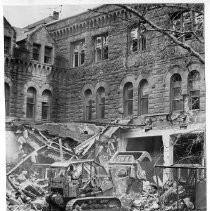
(21, 16)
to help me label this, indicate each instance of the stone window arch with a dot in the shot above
(194, 89)
(46, 104)
(100, 103)
(128, 99)
(31, 102)
(88, 104)
(7, 98)
(176, 92)
(143, 97)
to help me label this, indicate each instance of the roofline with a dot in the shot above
(9, 24)
(51, 23)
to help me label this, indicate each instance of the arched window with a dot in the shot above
(31, 101)
(88, 104)
(176, 93)
(143, 97)
(128, 99)
(46, 105)
(100, 99)
(194, 89)
(7, 98)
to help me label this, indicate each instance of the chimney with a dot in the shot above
(55, 15)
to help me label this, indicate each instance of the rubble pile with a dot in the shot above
(25, 192)
(150, 200)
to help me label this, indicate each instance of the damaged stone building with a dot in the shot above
(109, 68)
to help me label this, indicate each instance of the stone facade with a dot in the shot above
(155, 64)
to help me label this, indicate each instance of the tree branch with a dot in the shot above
(163, 31)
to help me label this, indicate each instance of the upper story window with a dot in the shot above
(128, 99)
(100, 103)
(78, 53)
(48, 55)
(7, 98)
(7, 44)
(30, 103)
(137, 39)
(194, 89)
(46, 105)
(101, 48)
(187, 22)
(143, 97)
(36, 52)
(88, 104)
(176, 93)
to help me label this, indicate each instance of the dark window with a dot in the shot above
(101, 48)
(48, 55)
(138, 39)
(36, 52)
(194, 89)
(78, 53)
(88, 105)
(143, 97)
(31, 101)
(7, 45)
(176, 93)
(46, 105)
(100, 103)
(7, 98)
(128, 99)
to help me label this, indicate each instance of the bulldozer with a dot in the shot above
(77, 185)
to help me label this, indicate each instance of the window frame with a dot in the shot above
(31, 104)
(38, 46)
(141, 41)
(80, 52)
(127, 101)
(143, 97)
(184, 22)
(46, 57)
(192, 89)
(47, 104)
(104, 49)
(88, 105)
(101, 102)
(174, 87)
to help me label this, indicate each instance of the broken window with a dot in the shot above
(36, 52)
(48, 55)
(194, 89)
(7, 44)
(100, 103)
(138, 39)
(176, 93)
(46, 105)
(101, 48)
(30, 105)
(7, 98)
(187, 22)
(78, 53)
(88, 105)
(128, 99)
(143, 97)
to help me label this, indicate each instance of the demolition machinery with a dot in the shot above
(80, 185)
